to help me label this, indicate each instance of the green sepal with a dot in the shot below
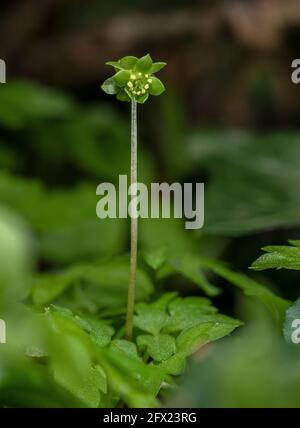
(115, 64)
(156, 87)
(110, 87)
(144, 64)
(157, 66)
(128, 62)
(121, 77)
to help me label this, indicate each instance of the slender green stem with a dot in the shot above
(134, 227)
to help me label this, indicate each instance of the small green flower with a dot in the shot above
(134, 79)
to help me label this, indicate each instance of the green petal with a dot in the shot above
(122, 77)
(123, 96)
(109, 87)
(156, 87)
(115, 64)
(128, 62)
(157, 66)
(144, 64)
(142, 98)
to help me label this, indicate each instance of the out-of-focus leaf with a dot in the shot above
(21, 102)
(71, 358)
(253, 180)
(15, 259)
(59, 221)
(24, 383)
(190, 267)
(91, 286)
(253, 369)
(135, 382)
(155, 258)
(277, 305)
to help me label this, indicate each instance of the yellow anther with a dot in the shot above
(146, 75)
(133, 77)
(130, 84)
(149, 80)
(147, 86)
(140, 74)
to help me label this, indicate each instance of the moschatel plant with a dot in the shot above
(133, 82)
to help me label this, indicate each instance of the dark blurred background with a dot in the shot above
(229, 61)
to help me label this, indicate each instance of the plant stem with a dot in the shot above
(134, 227)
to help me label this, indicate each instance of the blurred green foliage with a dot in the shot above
(254, 369)
(64, 273)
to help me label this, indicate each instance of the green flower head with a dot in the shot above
(134, 79)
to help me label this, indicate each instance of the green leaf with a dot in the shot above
(128, 62)
(109, 87)
(187, 312)
(99, 332)
(275, 304)
(175, 365)
(156, 87)
(157, 66)
(278, 257)
(124, 346)
(144, 64)
(190, 340)
(159, 348)
(149, 318)
(121, 77)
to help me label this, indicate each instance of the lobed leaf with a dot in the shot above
(279, 257)
(159, 347)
